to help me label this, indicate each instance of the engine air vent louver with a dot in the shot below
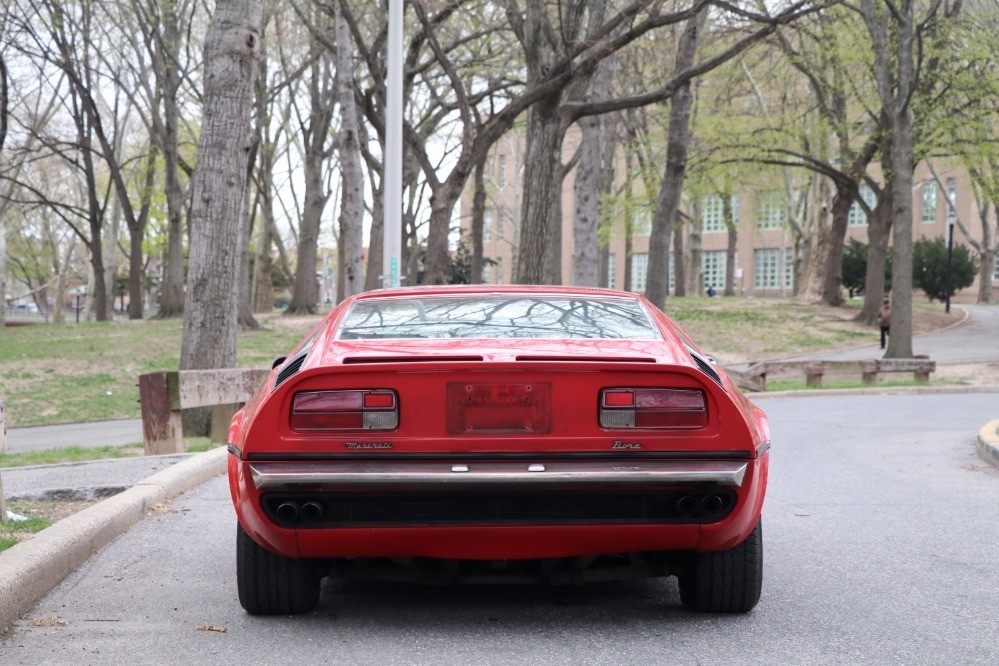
(586, 359)
(290, 368)
(411, 359)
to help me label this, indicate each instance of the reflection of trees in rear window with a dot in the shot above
(444, 317)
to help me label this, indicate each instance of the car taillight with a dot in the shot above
(652, 408)
(345, 410)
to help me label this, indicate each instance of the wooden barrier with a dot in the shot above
(754, 378)
(164, 394)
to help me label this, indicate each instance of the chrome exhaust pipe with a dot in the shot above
(711, 505)
(287, 512)
(311, 512)
(687, 506)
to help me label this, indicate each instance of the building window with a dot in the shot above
(995, 270)
(857, 217)
(714, 262)
(639, 270)
(487, 226)
(767, 269)
(928, 210)
(499, 271)
(499, 222)
(713, 214)
(502, 170)
(611, 271)
(486, 272)
(770, 208)
(641, 225)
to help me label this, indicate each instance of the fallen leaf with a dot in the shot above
(211, 627)
(49, 622)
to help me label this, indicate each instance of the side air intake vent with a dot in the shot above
(290, 368)
(706, 368)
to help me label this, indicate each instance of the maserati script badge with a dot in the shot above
(368, 445)
(626, 445)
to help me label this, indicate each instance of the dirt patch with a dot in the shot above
(972, 374)
(50, 509)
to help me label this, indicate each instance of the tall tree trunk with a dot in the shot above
(478, 221)
(315, 133)
(247, 322)
(172, 285)
(211, 309)
(878, 233)
(679, 262)
(990, 248)
(376, 244)
(542, 193)
(820, 242)
(832, 273)
(263, 261)
(733, 239)
(586, 218)
(4, 109)
(352, 192)
(668, 203)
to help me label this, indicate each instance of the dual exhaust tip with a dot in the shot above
(293, 512)
(691, 506)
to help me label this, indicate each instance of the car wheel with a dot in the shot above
(727, 581)
(271, 584)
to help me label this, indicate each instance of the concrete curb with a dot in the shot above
(29, 570)
(988, 443)
(897, 390)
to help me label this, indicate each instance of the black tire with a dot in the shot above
(727, 581)
(271, 584)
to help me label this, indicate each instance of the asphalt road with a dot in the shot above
(92, 434)
(974, 341)
(881, 544)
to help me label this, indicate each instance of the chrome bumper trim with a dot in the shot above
(392, 475)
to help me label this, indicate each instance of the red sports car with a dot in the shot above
(466, 434)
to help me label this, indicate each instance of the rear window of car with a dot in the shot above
(498, 317)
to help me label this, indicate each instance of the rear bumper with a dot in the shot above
(254, 486)
(340, 476)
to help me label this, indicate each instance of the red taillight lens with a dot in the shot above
(652, 408)
(345, 410)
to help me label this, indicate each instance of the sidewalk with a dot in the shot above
(82, 480)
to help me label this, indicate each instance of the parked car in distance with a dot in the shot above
(470, 434)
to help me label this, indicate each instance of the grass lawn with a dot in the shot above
(14, 531)
(70, 373)
(88, 372)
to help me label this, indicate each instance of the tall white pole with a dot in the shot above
(392, 255)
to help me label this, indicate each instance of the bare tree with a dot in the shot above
(4, 112)
(315, 126)
(668, 202)
(211, 307)
(892, 27)
(352, 176)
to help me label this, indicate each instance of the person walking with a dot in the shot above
(884, 321)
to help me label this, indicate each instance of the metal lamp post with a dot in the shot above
(950, 259)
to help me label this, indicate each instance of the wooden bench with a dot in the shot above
(754, 378)
(164, 394)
